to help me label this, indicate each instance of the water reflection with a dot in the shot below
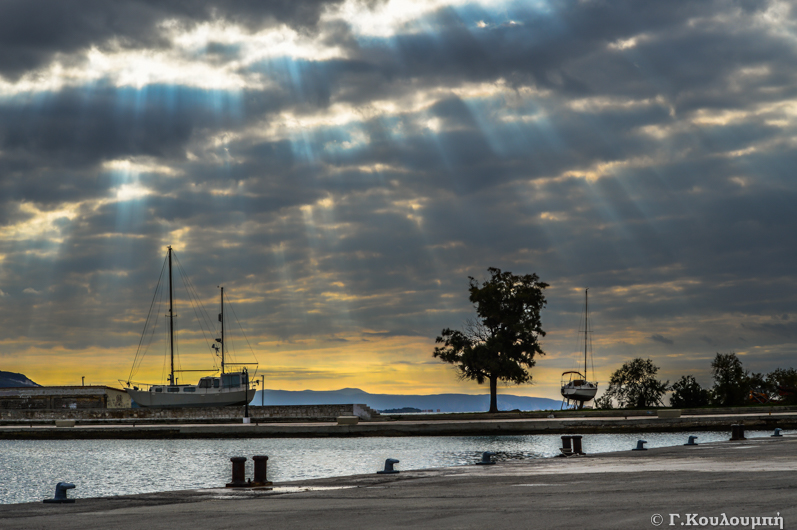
(29, 469)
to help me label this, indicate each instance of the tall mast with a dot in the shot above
(171, 320)
(586, 328)
(221, 319)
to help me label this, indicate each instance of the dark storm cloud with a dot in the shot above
(87, 126)
(660, 230)
(661, 339)
(111, 124)
(566, 49)
(33, 32)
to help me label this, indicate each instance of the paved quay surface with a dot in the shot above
(420, 427)
(624, 490)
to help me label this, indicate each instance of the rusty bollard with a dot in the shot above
(261, 470)
(737, 432)
(238, 472)
(567, 448)
(577, 446)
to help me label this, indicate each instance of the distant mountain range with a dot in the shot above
(11, 379)
(443, 402)
(434, 402)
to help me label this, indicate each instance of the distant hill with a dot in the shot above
(11, 379)
(444, 402)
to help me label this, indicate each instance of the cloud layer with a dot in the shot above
(342, 167)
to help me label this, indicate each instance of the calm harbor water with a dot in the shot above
(29, 469)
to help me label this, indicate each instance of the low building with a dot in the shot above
(64, 397)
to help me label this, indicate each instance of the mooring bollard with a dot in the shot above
(640, 445)
(486, 459)
(261, 471)
(389, 467)
(60, 494)
(777, 433)
(737, 432)
(238, 472)
(691, 440)
(567, 448)
(577, 445)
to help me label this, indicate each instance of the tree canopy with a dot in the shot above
(687, 393)
(635, 385)
(500, 344)
(784, 384)
(731, 382)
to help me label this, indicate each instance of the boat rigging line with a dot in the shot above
(139, 353)
(193, 298)
(226, 297)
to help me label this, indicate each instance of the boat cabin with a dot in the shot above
(206, 383)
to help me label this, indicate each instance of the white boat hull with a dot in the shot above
(201, 398)
(579, 392)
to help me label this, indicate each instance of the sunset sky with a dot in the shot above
(342, 167)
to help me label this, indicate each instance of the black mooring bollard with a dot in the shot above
(486, 459)
(60, 494)
(577, 446)
(567, 448)
(737, 432)
(777, 433)
(261, 471)
(238, 472)
(640, 445)
(691, 441)
(389, 467)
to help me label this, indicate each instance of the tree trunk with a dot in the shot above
(493, 393)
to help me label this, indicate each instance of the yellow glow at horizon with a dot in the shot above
(371, 362)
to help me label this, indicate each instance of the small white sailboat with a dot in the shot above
(224, 389)
(576, 389)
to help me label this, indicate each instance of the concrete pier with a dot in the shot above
(500, 424)
(658, 488)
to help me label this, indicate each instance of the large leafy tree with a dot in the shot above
(687, 393)
(635, 385)
(731, 381)
(500, 344)
(784, 384)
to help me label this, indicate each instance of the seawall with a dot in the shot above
(449, 427)
(186, 415)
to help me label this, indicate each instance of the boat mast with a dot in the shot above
(586, 328)
(221, 319)
(171, 320)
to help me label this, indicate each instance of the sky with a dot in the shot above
(342, 167)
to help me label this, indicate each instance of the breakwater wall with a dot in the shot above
(400, 428)
(286, 413)
(591, 413)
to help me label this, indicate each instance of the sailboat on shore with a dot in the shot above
(576, 389)
(227, 388)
